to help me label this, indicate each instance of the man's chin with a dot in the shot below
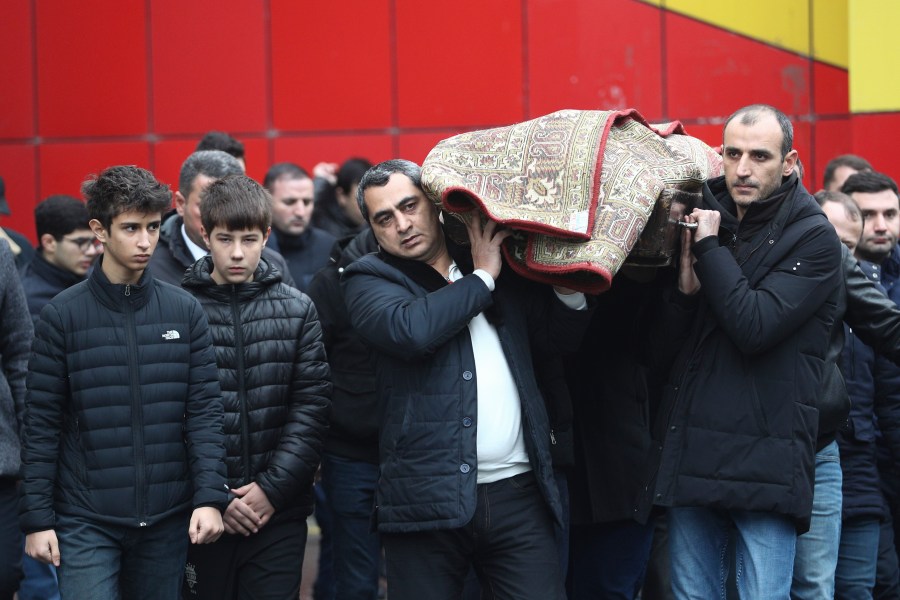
(875, 254)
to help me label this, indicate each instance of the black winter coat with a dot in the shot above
(616, 379)
(355, 412)
(740, 412)
(123, 417)
(274, 379)
(42, 281)
(426, 377)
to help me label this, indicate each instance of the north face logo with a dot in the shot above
(171, 335)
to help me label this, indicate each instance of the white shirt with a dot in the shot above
(500, 439)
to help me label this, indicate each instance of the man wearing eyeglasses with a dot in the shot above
(66, 250)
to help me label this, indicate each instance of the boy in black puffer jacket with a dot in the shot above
(276, 391)
(122, 433)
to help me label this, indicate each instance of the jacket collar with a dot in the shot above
(118, 296)
(199, 279)
(170, 235)
(57, 278)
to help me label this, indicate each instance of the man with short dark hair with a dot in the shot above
(122, 431)
(305, 248)
(466, 477)
(219, 140)
(66, 250)
(180, 239)
(840, 168)
(739, 415)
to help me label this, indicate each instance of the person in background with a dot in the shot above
(219, 140)
(66, 250)
(305, 247)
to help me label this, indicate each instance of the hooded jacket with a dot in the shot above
(739, 414)
(123, 419)
(274, 378)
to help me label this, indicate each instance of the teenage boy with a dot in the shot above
(276, 392)
(66, 250)
(123, 417)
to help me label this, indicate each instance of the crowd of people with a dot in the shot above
(183, 387)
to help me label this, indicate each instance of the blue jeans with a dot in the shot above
(109, 562)
(350, 487)
(817, 549)
(609, 560)
(40, 581)
(857, 559)
(764, 545)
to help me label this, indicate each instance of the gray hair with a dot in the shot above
(379, 175)
(212, 163)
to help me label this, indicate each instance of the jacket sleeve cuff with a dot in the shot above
(705, 245)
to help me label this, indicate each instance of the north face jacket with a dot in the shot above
(123, 416)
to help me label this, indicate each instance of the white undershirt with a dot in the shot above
(500, 439)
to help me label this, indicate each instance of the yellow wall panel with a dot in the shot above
(874, 55)
(830, 25)
(781, 23)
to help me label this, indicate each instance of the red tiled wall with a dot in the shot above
(103, 82)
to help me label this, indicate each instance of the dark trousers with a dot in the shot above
(887, 576)
(266, 565)
(609, 560)
(510, 543)
(350, 487)
(10, 539)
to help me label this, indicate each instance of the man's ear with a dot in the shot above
(180, 202)
(99, 231)
(790, 161)
(266, 236)
(48, 243)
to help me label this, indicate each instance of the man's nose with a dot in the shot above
(144, 239)
(879, 223)
(403, 223)
(743, 167)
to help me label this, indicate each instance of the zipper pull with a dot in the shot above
(127, 289)
(552, 438)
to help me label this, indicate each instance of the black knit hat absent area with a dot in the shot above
(4, 207)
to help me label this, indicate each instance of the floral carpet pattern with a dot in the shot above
(578, 187)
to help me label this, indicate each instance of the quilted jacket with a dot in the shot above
(123, 419)
(275, 381)
(426, 379)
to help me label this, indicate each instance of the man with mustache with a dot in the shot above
(739, 417)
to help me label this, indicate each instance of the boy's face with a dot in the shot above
(128, 244)
(235, 253)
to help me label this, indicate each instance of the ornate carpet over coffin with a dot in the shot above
(578, 186)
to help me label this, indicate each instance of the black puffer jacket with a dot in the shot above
(427, 378)
(740, 412)
(123, 417)
(274, 378)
